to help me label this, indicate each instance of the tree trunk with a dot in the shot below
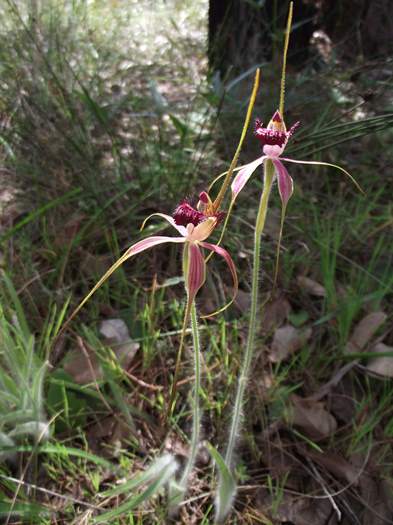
(359, 28)
(244, 33)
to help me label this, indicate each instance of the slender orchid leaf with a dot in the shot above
(196, 270)
(176, 493)
(181, 229)
(226, 486)
(142, 477)
(163, 477)
(284, 180)
(318, 163)
(228, 259)
(242, 177)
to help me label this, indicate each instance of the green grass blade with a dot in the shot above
(37, 213)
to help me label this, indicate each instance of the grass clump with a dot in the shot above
(95, 137)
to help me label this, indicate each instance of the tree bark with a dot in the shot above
(244, 33)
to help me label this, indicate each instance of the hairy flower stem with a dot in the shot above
(196, 409)
(247, 360)
(172, 397)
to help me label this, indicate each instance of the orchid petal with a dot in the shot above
(203, 230)
(242, 177)
(136, 248)
(228, 259)
(145, 244)
(196, 271)
(284, 180)
(181, 229)
(317, 163)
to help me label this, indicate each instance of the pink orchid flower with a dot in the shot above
(274, 139)
(194, 227)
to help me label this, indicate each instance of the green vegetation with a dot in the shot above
(106, 117)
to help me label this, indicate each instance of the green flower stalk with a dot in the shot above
(194, 226)
(273, 139)
(252, 327)
(177, 489)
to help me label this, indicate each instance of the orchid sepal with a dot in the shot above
(244, 174)
(195, 269)
(320, 163)
(181, 229)
(231, 265)
(284, 181)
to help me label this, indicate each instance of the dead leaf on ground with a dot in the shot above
(382, 366)
(108, 435)
(93, 264)
(242, 300)
(310, 286)
(377, 510)
(286, 341)
(295, 509)
(272, 224)
(117, 337)
(275, 313)
(311, 417)
(364, 331)
(70, 228)
(83, 368)
(337, 465)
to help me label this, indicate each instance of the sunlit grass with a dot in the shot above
(109, 116)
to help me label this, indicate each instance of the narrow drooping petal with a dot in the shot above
(196, 270)
(145, 244)
(228, 259)
(138, 247)
(319, 163)
(181, 229)
(284, 181)
(244, 174)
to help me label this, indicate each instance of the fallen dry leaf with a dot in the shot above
(364, 331)
(272, 224)
(107, 435)
(242, 300)
(275, 313)
(296, 510)
(311, 417)
(84, 368)
(377, 510)
(337, 465)
(117, 336)
(382, 366)
(310, 286)
(286, 341)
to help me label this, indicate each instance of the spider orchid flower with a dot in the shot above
(194, 227)
(274, 139)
